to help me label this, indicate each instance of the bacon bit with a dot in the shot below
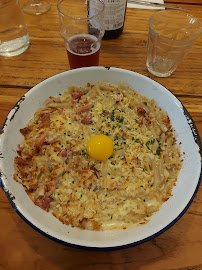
(140, 111)
(107, 112)
(45, 204)
(137, 161)
(84, 108)
(25, 131)
(63, 153)
(20, 161)
(147, 119)
(94, 170)
(45, 118)
(77, 94)
(86, 119)
(41, 140)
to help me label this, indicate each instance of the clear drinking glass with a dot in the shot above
(171, 35)
(14, 38)
(82, 27)
(36, 7)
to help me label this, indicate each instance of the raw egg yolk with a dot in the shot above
(100, 147)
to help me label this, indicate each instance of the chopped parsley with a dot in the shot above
(112, 115)
(159, 150)
(39, 175)
(83, 152)
(120, 119)
(150, 142)
(103, 112)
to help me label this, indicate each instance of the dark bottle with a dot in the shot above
(114, 17)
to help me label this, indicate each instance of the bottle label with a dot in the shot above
(114, 14)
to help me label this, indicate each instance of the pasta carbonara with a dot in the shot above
(125, 189)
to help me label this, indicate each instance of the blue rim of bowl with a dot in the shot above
(197, 139)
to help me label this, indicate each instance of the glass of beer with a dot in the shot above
(82, 27)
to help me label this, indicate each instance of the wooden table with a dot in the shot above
(21, 247)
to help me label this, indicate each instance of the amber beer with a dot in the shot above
(83, 51)
(82, 27)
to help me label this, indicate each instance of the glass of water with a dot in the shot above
(14, 38)
(36, 7)
(171, 35)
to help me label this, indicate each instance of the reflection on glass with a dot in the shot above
(36, 6)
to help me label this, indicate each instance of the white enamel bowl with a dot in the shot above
(183, 193)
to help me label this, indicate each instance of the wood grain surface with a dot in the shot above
(21, 247)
